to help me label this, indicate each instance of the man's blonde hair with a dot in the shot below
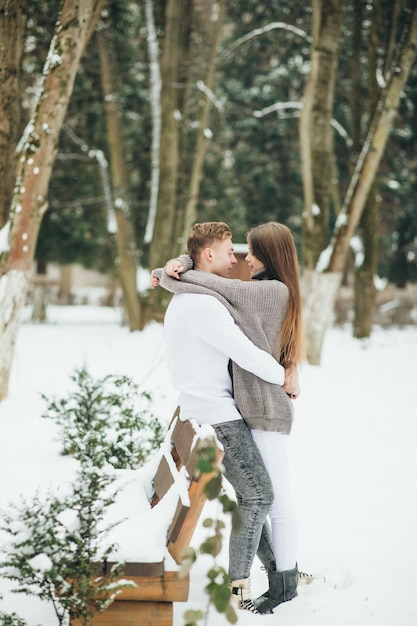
(205, 235)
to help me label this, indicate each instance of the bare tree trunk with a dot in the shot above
(40, 293)
(366, 256)
(155, 92)
(316, 132)
(365, 291)
(191, 37)
(127, 255)
(321, 289)
(13, 288)
(374, 146)
(36, 152)
(319, 306)
(12, 28)
(163, 243)
(65, 284)
(204, 133)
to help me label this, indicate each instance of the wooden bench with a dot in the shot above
(150, 603)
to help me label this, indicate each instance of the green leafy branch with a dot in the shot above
(218, 587)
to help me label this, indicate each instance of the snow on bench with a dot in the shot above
(160, 505)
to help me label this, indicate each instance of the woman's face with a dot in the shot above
(254, 264)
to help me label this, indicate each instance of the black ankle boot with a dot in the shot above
(282, 588)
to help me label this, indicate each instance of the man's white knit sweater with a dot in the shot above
(200, 338)
(259, 309)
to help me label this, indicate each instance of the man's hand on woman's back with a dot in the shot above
(291, 385)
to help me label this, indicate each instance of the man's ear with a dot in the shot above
(207, 254)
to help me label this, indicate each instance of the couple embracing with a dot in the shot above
(232, 349)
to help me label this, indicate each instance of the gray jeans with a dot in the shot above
(245, 471)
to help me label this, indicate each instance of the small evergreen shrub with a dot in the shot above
(11, 619)
(107, 421)
(55, 547)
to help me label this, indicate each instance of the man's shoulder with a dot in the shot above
(198, 308)
(195, 297)
(194, 300)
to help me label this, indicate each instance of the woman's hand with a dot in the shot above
(174, 268)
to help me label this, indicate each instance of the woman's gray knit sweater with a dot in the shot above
(258, 308)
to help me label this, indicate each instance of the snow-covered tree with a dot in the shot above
(12, 27)
(191, 33)
(127, 256)
(36, 154)
(323, 281)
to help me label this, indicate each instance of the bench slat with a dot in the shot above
(178, 521)
(162, 481)
(167, 588)
(182, 439)
(179, 542)
(138, 569)
(125, 613)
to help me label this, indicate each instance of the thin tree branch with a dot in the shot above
(257, 32)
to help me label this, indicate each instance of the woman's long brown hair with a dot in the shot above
(273, 244)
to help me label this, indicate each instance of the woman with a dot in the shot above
(268, 310)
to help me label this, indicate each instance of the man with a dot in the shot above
(201, 337)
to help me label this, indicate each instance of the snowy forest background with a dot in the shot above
(124, 122)
(131, 121)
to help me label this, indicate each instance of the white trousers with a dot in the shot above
(273, 449)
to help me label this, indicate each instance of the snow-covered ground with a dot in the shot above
(352, 450)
